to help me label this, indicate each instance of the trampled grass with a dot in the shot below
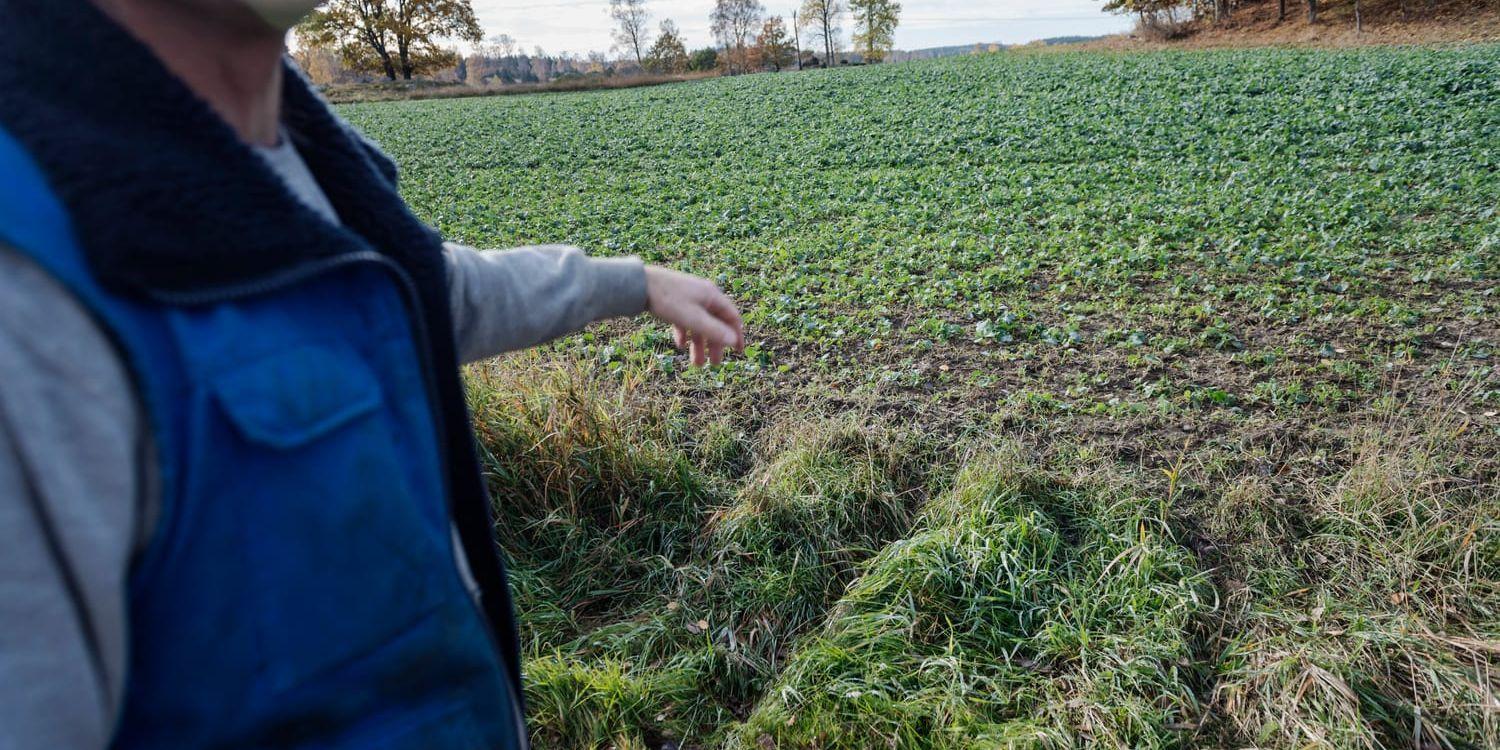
(851, 588)
(1094, 400)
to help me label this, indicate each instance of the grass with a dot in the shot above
(1391, 636)
(1094, 400)
(844, 584)
(1020, 612)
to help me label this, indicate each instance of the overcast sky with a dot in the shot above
(583, 25)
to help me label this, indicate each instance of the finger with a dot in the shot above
(723, 308)
(679, 336)
(699, 322)
(696, 350)
(715, 353)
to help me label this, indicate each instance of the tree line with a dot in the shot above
(748, 39)
(1156, 14)
(400, 39)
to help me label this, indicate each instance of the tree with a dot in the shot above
(1145, 8)
(541, 66)
(1159, 18)
(733, 20)
(321, 64)
(703, 59)
(393, 36)
(875, 27)
(598, 62)
(797, 37)
(821, 18)
(668, 54)
(498, 46)
(772, 49)
(630, 27)
(1312, 11)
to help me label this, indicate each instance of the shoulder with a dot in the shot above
(49, 335)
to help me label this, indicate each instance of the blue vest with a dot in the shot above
(299, 589)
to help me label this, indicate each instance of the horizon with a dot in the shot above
(582, 26)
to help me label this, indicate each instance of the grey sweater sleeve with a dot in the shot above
(70, 448)
(504, 300)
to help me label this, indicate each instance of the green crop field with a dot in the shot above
(1121, 400)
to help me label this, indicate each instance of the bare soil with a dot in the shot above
(1384, 22)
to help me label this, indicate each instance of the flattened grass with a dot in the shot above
(1022, 612)
(847, 584)
(659, 599)
(1391, 637)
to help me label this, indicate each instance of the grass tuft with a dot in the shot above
(594, 497)
(990, 626)
(1392, 638)
(830, 496)
(600, 703)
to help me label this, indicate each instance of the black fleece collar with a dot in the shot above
(162, 193)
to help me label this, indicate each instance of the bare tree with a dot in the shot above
(797, 36)
(822, 20)
(733, 23)
(630, 27)
(499, 45)
(541, 65)
(321, 64)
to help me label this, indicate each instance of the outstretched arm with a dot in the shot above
(504, 300)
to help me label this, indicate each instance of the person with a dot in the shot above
(240, 504)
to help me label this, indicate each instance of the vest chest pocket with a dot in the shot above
(294, 397)
(342, 528)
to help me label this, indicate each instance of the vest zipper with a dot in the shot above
(312, 269)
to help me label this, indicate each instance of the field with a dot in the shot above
(1119, 400)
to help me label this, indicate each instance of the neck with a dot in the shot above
(230, 60)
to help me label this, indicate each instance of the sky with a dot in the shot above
(583, 25)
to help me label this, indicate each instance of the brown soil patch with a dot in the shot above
(1254, 24)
